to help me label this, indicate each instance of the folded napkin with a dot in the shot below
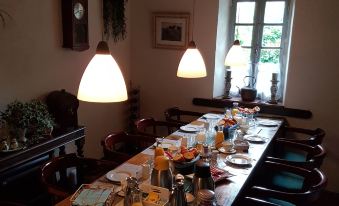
(134, 170)
(219, 174)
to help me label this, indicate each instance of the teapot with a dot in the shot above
(248, 93)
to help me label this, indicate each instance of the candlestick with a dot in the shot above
(227, 84)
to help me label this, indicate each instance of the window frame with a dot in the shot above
(257, 34)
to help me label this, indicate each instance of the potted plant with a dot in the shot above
(32, 117)
(17, 117)
(41, 122)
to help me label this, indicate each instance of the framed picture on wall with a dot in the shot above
(171, 30)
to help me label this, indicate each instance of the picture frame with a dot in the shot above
(171, 30)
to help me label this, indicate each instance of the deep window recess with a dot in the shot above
(262, 26)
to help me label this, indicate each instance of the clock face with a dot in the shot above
(78, 10)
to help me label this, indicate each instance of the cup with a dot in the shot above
(227, 145)
(244, 128)
(146, 170)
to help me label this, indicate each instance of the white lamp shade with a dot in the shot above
(102, 81)
(235, 57)
(192, 64)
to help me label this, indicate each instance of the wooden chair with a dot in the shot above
(304, 136)
(156, 128)
(174, 114)
(64, 174)
(122, 146)
(296, 154)
(313, 182)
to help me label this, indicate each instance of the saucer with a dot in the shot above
(223, 150)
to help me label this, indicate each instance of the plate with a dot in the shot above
(238, 159)
(190, 128)
(211, 116)
(117, 176)
(255, 138)
(223, 150)
(267, 123)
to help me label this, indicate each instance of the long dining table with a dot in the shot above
(227, 192)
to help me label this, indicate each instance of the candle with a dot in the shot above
(228, 74)
(274, 76)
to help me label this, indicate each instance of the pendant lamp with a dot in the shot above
(102, 80)
(192, 64)
(236, 56)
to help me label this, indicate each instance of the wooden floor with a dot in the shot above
(327, 199)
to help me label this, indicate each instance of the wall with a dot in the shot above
(33, 62)
(312, 65)
(164, 89)
(313, 74)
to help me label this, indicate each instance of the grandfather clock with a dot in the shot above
(75, 24)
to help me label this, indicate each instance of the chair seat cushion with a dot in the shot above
(294, 155)
(287, 180)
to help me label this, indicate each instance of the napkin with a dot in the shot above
(219, 174)
(134, 170)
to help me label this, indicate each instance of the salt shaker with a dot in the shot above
(132, 192)
(178, 197)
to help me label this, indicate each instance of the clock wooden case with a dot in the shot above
(75, 24)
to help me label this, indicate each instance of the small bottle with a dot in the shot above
(235, 109)
(205, 154)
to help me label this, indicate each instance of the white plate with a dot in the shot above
(267, 123)
(117, 176)
(223, 150)
(255, 138)
(190, 128)
(239, 159)
(211, 116)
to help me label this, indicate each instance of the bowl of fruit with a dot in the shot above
(185, 159)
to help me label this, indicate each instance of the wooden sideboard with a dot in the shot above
(20, 170)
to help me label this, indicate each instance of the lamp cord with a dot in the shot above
(192, 35)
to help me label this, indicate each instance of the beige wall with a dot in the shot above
(313, 74)
(33, 62)
(164, 89)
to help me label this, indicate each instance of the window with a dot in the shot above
(261, 26)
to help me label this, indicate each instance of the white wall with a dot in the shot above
(33, 62)
(312, 73)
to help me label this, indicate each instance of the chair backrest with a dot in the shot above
(156, 128)
(304, 136)
(64, 174)
(174, 114)
(314, 182)
(297, 154)
(121, 146)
